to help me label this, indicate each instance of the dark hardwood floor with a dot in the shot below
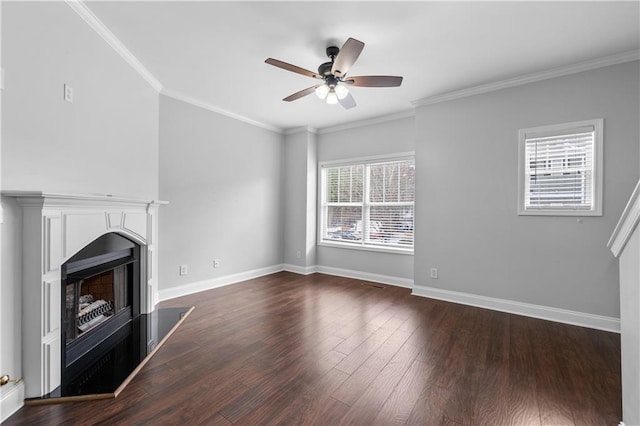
(291, 349)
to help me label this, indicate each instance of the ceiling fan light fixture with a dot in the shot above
(332, 83)
(322, 91)
(341, 91)
(332, 98)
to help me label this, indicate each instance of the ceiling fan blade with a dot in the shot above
(374, 81)
(301, 93)
(292, 68)
(347, 102)
(347, 56)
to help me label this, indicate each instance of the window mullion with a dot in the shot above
(365, 204)
(399, 188)
(351, 184)
(390, 203)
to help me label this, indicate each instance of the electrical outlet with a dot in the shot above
(216, 263)
(184, 270)
(434, 273)
(68, 93)
(298, 254)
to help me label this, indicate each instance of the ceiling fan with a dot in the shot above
(335, 83)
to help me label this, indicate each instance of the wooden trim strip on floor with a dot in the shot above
(109, 395)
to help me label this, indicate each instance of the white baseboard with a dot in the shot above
(11, 399)
(581, 319)
(367, 276)
(184, 290)
(519, 308)
(302, 270)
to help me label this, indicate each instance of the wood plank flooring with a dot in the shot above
(317, 349)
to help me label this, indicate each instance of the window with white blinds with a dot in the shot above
(369, 204)
(561, 169)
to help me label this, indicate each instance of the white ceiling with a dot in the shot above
(214, 52)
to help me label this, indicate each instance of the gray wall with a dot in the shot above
(106, 142)
(223, 181)
(383, 138)
(466, 165)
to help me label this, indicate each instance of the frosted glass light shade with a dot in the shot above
(341, 91)
(332, 98)
(322, 91)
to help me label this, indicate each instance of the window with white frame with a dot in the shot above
(560, 169)
(368, 204)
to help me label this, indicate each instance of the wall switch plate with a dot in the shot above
(216, 263)
(434, 273)
(68, 93)
(184, 270)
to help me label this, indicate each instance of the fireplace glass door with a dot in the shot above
(93, 300)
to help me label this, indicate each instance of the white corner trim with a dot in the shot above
(11, 399)
(99, 27)
(302, 270)
(368, 122)
(201, 104)
(620, 58)
(581, 319)
(366, 276)
(198, 286)
(626, 224)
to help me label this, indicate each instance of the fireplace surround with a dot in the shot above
(56, 227)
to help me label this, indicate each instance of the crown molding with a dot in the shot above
(620, 58)
(368, 122)
(201, 104)
(99, 27)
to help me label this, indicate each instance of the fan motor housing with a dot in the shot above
(325, 69)
(332, 51)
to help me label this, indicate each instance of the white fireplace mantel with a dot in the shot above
(55, 227)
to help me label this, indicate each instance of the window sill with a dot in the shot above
(549, 212)
(380, 249)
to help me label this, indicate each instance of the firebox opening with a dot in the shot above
(100, 295)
